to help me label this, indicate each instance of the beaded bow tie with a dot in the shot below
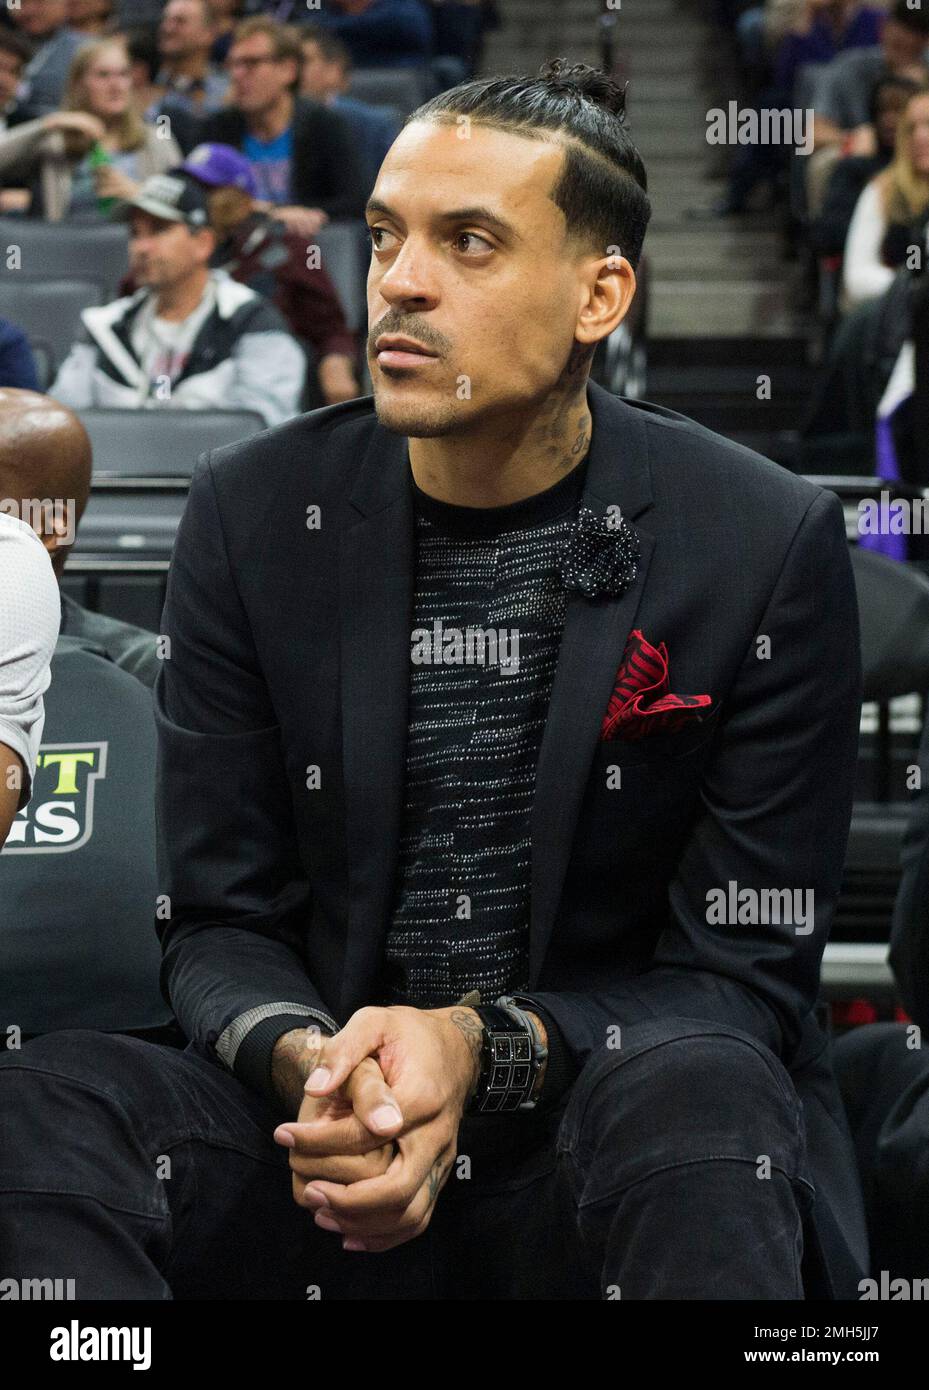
(600, 555)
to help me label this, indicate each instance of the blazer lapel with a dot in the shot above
(592, 644)
(376, 618)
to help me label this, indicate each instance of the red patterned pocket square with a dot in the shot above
(641, 702)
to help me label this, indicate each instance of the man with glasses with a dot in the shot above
(305, 163)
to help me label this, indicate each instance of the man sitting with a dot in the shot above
(45, 453)
(187, 79)
(259, 251)
(381, 33)
(302, 154)
(843, 98)
(190, 337)
(45, 24)
(325, 76)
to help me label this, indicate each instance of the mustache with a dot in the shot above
(429, 339)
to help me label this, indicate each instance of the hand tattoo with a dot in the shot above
(470, 1026)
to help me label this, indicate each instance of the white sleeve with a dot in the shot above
(30, 615)
(864, 274)
(74, 383)
(270, 369)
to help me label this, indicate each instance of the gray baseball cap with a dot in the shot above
(172, 197)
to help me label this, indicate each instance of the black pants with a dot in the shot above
(675, 1168)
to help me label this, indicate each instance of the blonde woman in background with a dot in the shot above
(891, 213)
(96, 147)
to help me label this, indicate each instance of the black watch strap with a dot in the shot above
(508, 1066)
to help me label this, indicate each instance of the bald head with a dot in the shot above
(45, 467)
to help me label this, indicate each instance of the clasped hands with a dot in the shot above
(376, 1134)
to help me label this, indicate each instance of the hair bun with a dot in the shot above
(591, 83)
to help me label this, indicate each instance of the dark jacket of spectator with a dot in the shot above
(388, 34)
(47, 72)
(17, 364)
(271, 260)
(326, 171)
(820, 45)
(828, 232)
(374, 129)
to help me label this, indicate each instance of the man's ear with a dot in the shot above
(208, 241)
(53, 544)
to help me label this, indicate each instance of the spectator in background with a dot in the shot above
(843, 102)
(91, 17)
(188, 79)
(302, 154)
(134, 14)
(15, 52)
(190, 337)
(45, 452)
(828, 232)
(226, 14)
(755, 42)
(17, 364)
(44, 22)
(458, 29)
(97, 147)
(324, 77)
(144, 62)
(381, 33)
(819, 30)
(29, 618)
(823, 30)
(891, 213)
(258, 251)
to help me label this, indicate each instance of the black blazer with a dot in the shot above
(326, 171)
(290, 650)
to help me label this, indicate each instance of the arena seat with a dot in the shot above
(893, 602)
(131, 588)
(98, 252)
(343, 252)
(77, 913)
(49, 312)
(167, 442)
(405, 88)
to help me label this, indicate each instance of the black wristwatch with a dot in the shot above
(510, 1062)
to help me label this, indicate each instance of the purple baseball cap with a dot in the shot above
(220, 166)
